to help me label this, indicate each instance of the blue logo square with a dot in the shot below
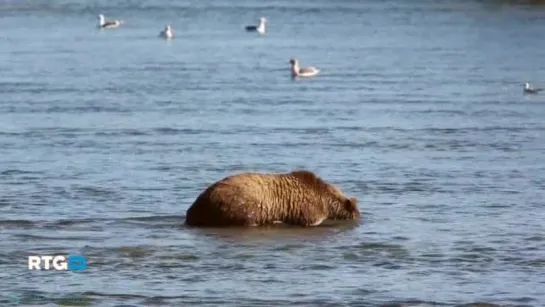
(77, 263)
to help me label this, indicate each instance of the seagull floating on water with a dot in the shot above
(167, 32)
(108, 24)
(260, 28)
(296, 71)
(530, 90)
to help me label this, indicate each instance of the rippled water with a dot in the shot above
(106, 138)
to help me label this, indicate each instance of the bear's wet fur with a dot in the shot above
(256, 199)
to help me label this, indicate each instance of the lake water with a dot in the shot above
(107, 137)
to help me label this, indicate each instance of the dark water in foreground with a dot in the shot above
(107, 137)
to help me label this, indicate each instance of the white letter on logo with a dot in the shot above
(34, 262)
(59, 263)
(47, 259)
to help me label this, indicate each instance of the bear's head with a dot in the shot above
(340, 207)
(344, 209)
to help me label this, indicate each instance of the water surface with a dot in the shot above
(106, 138)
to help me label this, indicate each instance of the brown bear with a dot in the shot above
(255, 199)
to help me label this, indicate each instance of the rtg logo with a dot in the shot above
(59, 263)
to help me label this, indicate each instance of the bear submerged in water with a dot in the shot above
(255, 199)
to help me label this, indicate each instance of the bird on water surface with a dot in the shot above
(167, 32)
(531, 90)
(102, 23)
(297, 71)
(259, 28)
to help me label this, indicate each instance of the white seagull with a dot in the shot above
(296, 71)
(260, 28)
(108, 24)
(167, 32)
(531, 90)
